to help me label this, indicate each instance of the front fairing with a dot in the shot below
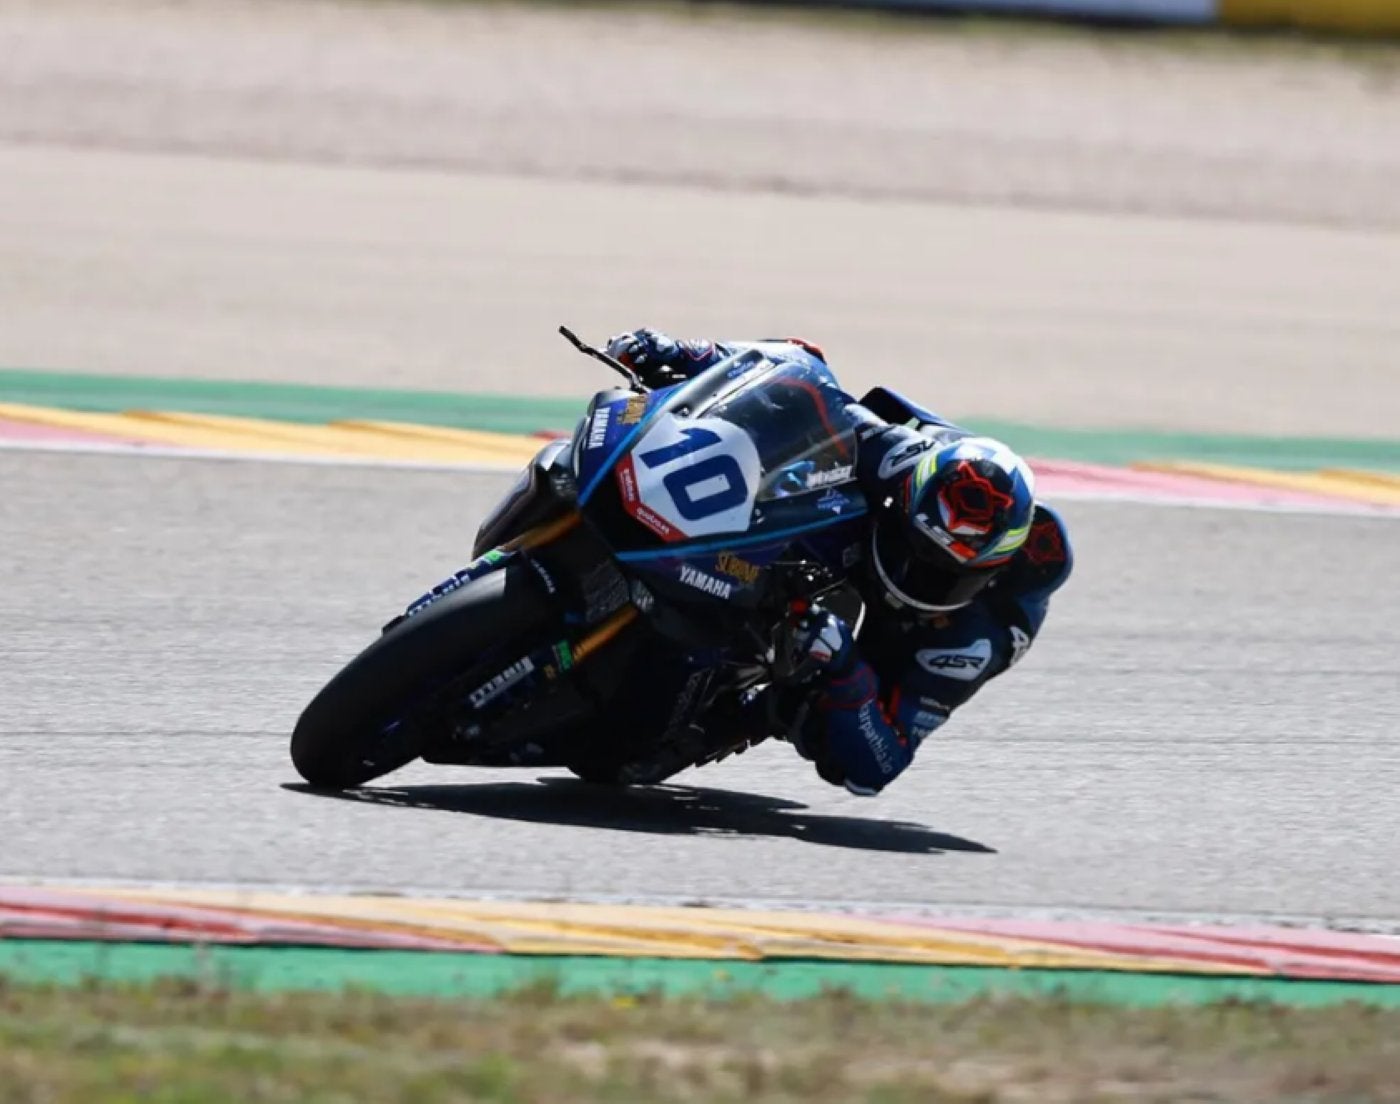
(701, 487)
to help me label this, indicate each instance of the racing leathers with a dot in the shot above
(874, 698)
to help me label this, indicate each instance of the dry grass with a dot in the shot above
(179, 1042)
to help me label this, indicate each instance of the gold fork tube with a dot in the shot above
(604, 633)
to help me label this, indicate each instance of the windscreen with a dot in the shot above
(796, 415)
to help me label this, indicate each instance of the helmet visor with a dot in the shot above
(926, 580)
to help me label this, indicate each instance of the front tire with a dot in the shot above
(347, 735)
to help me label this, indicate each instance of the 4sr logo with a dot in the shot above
(964, 664)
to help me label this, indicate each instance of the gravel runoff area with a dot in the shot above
(181, 266)
(724, 97)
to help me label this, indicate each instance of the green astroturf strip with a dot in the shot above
(289, 402)
(439, 974)
(516, 414)
(1118, 447)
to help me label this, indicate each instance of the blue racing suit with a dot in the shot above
(904, 674)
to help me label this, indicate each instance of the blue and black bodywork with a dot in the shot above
(804, 505)
(648, 558)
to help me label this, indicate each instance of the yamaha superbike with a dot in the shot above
(679, 526)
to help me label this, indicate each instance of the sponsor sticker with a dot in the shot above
(878, 746)
(477, 568)
(827, 478)
(598, 430)
(964, 664)
(707, 583)
(633, 411)
(729, 564)
(833, 500)
(627, 482)
(490, 691)
(901, 457)
(544, 575)
(657, 524)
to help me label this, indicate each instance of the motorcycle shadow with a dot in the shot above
(663, 810)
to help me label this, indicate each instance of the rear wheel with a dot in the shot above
(354, 730)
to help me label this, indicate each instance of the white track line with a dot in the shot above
(173, 452)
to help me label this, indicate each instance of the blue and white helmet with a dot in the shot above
(959, 516)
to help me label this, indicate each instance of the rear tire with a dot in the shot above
(340, 740)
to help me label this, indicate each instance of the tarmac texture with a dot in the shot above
(1205, 726)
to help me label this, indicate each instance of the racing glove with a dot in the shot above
(650, 353)
(814, 645)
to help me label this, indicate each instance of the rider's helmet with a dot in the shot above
(953, 523)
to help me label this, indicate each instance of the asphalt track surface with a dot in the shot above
(1206, 726)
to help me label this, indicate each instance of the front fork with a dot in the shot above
(606, 605)
(499, 709)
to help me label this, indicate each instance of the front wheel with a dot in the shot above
(355, 729)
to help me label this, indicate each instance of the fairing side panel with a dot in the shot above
(544, 489)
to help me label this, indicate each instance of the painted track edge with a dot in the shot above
(166, 452)
(244, 918)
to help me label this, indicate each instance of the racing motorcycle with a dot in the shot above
(679, 525)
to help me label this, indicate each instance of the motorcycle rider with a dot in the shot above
(962, 562)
